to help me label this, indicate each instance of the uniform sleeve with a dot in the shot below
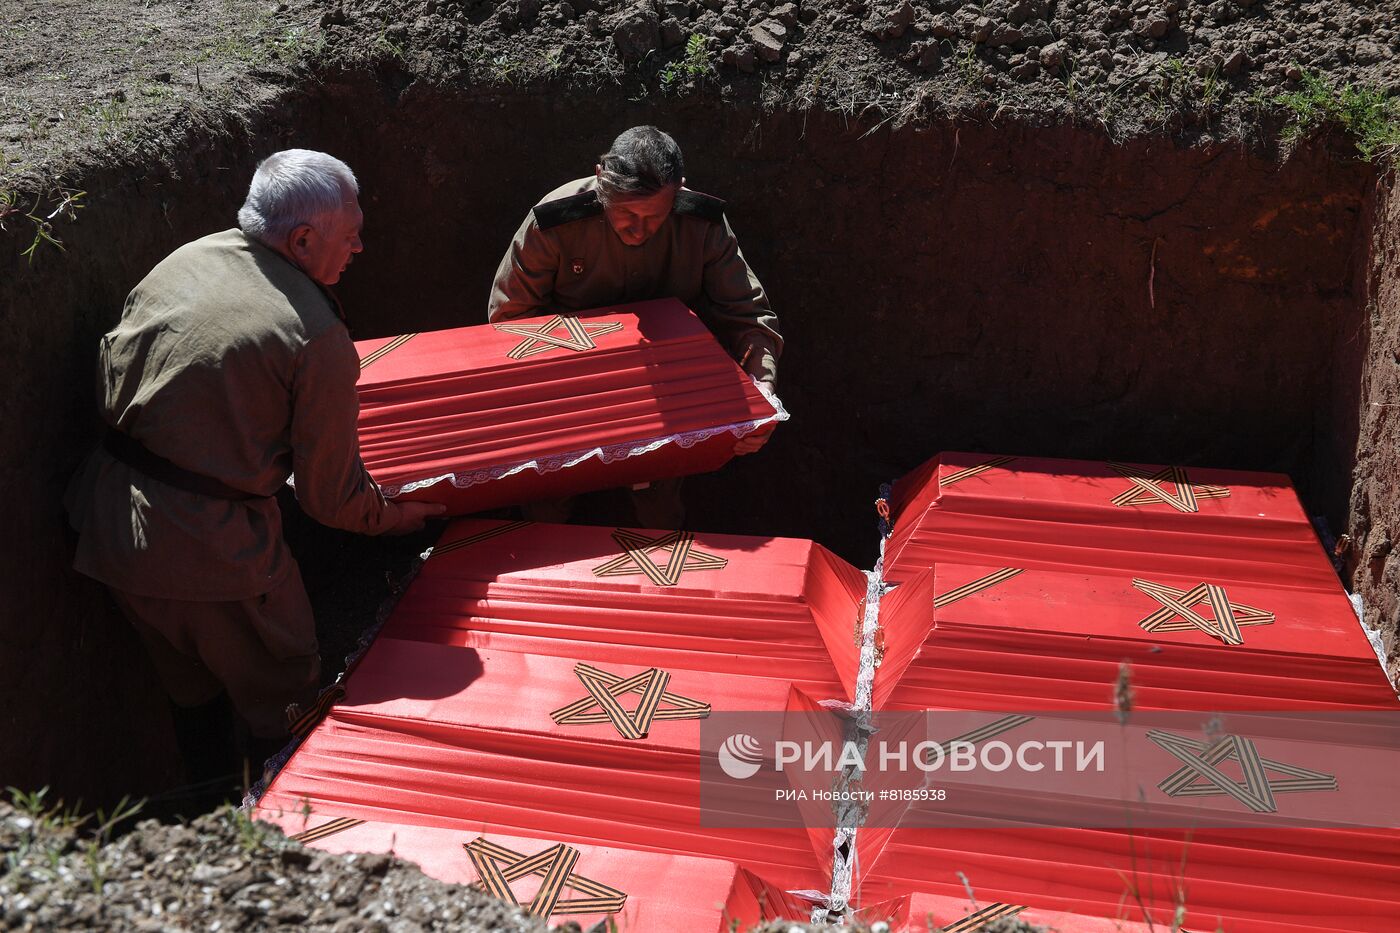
(738, 306)
(525, 278)
(332, 483)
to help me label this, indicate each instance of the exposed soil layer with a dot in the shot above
(1373, 562)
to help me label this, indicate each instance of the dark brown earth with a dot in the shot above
(1027, 228)
(1372, 559)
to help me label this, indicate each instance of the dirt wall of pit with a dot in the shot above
(991, 287)
(1374, 523)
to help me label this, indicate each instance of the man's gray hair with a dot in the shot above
(641, 162)
(291, 188)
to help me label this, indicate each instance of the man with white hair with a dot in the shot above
(232, 368)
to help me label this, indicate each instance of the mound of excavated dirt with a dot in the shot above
(222, 872)
(125, 74)
(1133, 66)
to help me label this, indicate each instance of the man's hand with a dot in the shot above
(412, 516)
(752, 442)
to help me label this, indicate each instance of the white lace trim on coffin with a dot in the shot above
(610, 454)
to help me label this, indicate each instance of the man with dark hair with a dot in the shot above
(632, 231)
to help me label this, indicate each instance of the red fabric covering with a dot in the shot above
(777, 605)
(1051, 637)
(1254, 881)
(446, 724)
(663, 891)
(931, 913)
(487, 756)
(455, 407)
(1059, 515)
(1042, 640)
(452, 719)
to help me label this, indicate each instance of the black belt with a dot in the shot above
(134, 454)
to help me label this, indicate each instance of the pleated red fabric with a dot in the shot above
(478, 417)
(528, 717)
(931, 913)
(739, 605)
(1087, 517)
(1027, 583)
(476, 710)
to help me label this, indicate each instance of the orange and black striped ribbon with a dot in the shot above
(389, 347)
(1178, 611)
(539, 338)
(975, 586)
(980, 919)
(636, 557)
(634, 725)
(1200, 759)
(603, 689)
(501, 529)
(555, 866)
(1255, 793)
(307, 721)
(337, 825)
(1146, 491)
(958, 476)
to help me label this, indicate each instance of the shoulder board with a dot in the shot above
(566, 210)
(699, 205)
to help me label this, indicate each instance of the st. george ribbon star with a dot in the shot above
(540, 338)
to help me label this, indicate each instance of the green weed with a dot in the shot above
(51, 828)
(693, 65)
(125, 809)
(1366, 114)
(50, 825)
(394, 49)
(15, 207)
(252, 834)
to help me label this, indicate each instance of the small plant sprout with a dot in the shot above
(694, 65)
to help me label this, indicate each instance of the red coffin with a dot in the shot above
(1024, 583)
(732, 604)
(456, 723)
(1075, 515)
(479, 417)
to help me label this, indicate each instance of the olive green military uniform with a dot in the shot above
(566, 256)
(232, 366)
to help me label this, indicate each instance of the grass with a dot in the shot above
(1365, 114)
(51, 830)
(110, 117)
(1178, 89)
(15, 207)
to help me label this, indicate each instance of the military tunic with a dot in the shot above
(231, 364)
(566, 255)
